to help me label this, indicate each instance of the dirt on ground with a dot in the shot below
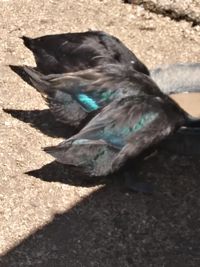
(49, 217)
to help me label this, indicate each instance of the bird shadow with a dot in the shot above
(148, 172)
(110, 228)
(44, 121)
(73, 175)
(57, 172)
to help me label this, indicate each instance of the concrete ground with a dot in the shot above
(48, 217)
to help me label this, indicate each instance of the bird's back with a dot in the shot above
(77, 51)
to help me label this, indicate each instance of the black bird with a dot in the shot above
(74, 97)
(123, 130)
(71, 52)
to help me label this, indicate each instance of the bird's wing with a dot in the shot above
(127, 126)
(95, 88)
(131, 125)
(68, 52)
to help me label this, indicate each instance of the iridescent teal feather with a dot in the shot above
(117, 136)
(144, 121)
(89, 103)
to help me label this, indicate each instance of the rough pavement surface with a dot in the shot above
(47, 217)
(186, 9)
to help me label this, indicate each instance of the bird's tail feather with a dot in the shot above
(38, 80)
(28, 42)
(47, 84)
(93, 156)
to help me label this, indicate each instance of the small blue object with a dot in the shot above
(88, 102)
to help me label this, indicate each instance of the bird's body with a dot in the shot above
(69, 52)
(72, 97)
(122, 130)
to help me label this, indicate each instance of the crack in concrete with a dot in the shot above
(188, 10)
